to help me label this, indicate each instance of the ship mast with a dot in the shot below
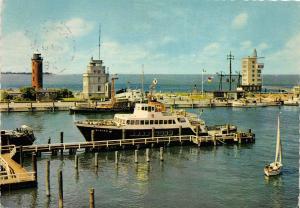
(99, 40)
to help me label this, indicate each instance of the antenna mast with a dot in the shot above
(230, 57)
(99, 43)
(142, 79)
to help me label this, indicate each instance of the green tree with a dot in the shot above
(28, 93)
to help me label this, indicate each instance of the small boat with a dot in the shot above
(18, 137)
(275, 167)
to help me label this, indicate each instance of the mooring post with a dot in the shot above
(96, 159)
(180, 132)
(76, 161)
(92, 198)
(31, 106)
(147, 155)
(249, 131)
(34, 167)
(123, 134)
(93, 135)
(228, 128)
(48, 178)
(21, 155)
(60, 189)
(161, 153)
(136, 156)
(49, 140)
(62, 142)
(214, 138)
(153, 132)
(116, 157)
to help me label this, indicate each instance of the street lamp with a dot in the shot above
(202, 81)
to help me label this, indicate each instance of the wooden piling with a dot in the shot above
(76, 161)
(93, 135)
(96, 159)
(147, 155)
(123, 134)
(214, 138)
(227, 128)
(21, 155)
(136, 156)
(92, 198)
(180, 132)
(161, 154)
(153, 132)
(116, 157)
(48, 178)
(34, 166)
(60, 189)
(62, 141)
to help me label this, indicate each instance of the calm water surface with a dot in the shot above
(225, 176)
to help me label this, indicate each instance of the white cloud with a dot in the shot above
(211, 49)
(285, 60)
(240, 21)
(245, 45)
(55, 40)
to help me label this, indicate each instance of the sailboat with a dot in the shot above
(275, 167)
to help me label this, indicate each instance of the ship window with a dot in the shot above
(132, 122)
(152, 108)
(170, 121)
(143, 108)
(165, 121)
(137, 122)
(146, 108)
(142, 122)
(127, 121)
(174, 122)
(181, 120)
(151, 121)
(146, 122)
(161, 121)
(149, 109)
(156, 121)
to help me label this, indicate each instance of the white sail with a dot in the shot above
(278, 149)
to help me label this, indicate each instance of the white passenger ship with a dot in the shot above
(147, 119)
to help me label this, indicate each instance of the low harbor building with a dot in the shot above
(252, 73)
(96, 81)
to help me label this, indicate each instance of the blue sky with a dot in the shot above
(166, 36)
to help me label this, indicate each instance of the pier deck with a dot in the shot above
(127, 143)
(12, 174)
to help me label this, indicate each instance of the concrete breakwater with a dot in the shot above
(35, 106)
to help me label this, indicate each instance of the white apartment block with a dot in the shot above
(252, 73)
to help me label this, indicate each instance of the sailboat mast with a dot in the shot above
(278, 141)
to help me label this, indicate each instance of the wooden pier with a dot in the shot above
(135, 143)
(14, 176)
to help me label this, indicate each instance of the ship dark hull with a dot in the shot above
(102, 133)
(20, 140)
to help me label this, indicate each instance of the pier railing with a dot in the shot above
(136, 141)
(17, 178)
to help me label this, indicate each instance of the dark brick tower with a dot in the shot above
(37, 71)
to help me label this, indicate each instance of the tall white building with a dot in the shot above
(96, 81)
(252, 73)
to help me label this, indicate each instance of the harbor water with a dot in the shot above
(222, 176)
